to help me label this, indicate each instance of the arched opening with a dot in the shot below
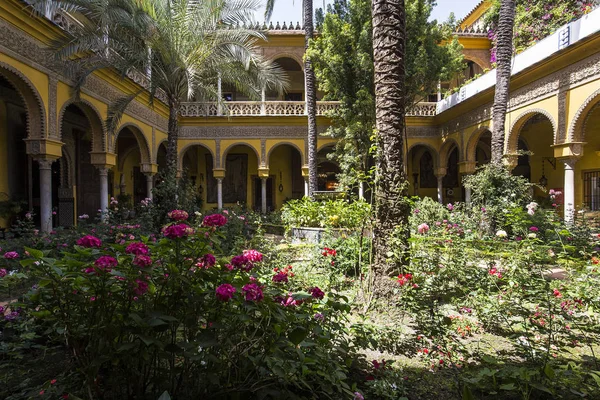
(197, 166)
(81, 194)
(535, 136)
(19, 180)
(130, 182)
(451, 181)
(421, 171)
(483, 154)
(327, 170)
(161, 157)
(587, 169)
(285, 168)
(295, 75)
(470, 71)
(241, 185)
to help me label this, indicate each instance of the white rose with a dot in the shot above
(501, 234)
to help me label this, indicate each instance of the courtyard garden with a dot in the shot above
(499, 300)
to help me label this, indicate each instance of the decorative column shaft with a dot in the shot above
(263, 106)
(263, 195)
(103, 171)
(468, 195)
(569, 190)
(306, 192)
(220, 193)
(46, 194)
(440, 189)
(361, 190)
(149, 185)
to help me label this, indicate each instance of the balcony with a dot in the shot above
(278, 109)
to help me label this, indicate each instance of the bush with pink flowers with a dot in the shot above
(144, 317)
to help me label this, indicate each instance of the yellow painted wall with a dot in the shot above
(252, 171)
(591, 159)
(280, 167)
(3, 155)
(132, 160)
(539, 139)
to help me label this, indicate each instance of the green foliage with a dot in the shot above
(342, 55)
(325, 214)
(537, 19)
(141, 331)
(496, 193)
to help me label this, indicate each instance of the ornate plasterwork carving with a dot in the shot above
(422, 131)
(26, 49)
(579, 73)
(263, 151)
(218, 149)
(36, 114)
(52, 107)
(245, 131)
(578, 126)
(515, 128)
(94, 118)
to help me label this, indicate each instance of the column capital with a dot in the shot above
(568, 150)
(569, 161)
(101, 159)
(102, 169)
(510, 161)
(305, 171)
(149, 168)
(45, 163)
(263, 173)
(467, 167)
(44, 148)
(440, 172)
(219, 173)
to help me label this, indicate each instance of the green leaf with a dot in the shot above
(549, 372)
(165, 396)
(297, 335)
(508, 386)
(466, 393)
(34, 252)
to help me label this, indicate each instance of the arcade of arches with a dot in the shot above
(58, 161)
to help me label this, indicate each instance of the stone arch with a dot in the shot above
(294, 57)
(302, 156)
(36, 112)
(434, 153)
(323, 146)
(224, 157)
(512, 140)
(445, 151)
(157, 149)
(187, 147)
(578, 125)
(94, 118)
(66, 168)
(144, 148)
(471, 150)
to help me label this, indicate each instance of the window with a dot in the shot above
(293, 97)
(591, 190)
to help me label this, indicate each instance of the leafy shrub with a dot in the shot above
(141, 317)
(325, 214)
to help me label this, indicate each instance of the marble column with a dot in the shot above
(440, 189)
(149, 185)
(306, 193)
(220, 193)
(361, 190)
(468, 195)
(263, 195)
(46, 194)
(263, 106)
(569, 189)
(103, 171)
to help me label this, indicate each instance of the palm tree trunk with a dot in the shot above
(311, 100)
(172, 136)
(391, 229)
(504, 51)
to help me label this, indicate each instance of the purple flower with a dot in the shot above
(11, 255)
(178, 215)
(450, 207)
(253, 292)
(316, 292)
(137, 248)
(106, 263)
(214, 220)
(141, 287)
(89, 241)
(3, 273)
(206, 261)
(142, 261)
(253, 255)
(225, 292)
(242, 263)
(534, 229)
(177, 231)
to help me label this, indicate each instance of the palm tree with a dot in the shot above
(185, 47)
(504, 51)
(391, 226)
(311, 91)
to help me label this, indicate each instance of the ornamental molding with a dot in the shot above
(244, 131)
(560, 81)
(422, 131)
(512, 139)
(577, 128)
(29, 51)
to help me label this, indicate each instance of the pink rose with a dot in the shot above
(89, 241)
(225, 292)
(214, 220)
